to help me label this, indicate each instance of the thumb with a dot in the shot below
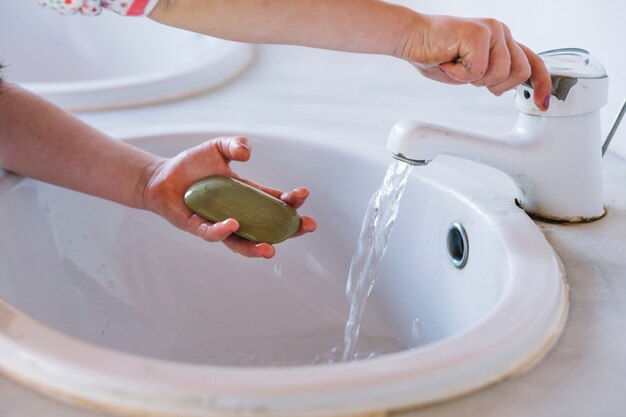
(463, 70)
(471, 63)
(234, 148)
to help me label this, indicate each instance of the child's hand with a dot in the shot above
(170, 179)
(478, 51)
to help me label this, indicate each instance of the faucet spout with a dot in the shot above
(418, 143)
(555, 162)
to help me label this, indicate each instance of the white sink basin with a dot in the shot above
(113, 307)
(95, 63)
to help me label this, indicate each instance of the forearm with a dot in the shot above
(366, 26)
(41, 141)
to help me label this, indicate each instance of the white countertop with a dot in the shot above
(361, 97)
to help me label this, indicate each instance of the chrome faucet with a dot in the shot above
(554, 157)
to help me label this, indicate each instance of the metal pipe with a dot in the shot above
(616, 123)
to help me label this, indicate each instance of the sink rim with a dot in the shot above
(227, 61)
(229, 50)
(37, 354)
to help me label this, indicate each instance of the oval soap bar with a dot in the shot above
(261, 217)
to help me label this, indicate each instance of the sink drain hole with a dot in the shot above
(458, 246)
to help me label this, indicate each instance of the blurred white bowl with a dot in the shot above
(110, 61)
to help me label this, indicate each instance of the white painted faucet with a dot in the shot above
(554, 157)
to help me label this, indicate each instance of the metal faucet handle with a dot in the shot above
(561, 84)
(573, 63)
(579, 84)
(567, 66)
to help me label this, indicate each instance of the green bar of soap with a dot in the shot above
(261, 217)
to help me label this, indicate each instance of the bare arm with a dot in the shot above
(346, 25)
(41, 141)
(447, 49)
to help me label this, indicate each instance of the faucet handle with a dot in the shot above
(579, 84)
(573, 62)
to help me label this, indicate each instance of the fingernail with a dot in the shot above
(546, 103)
(241, 141)
(232, 223)
(266, 250)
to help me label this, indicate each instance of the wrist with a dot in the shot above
(147, 177)
(412, 40)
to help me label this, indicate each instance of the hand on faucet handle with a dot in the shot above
(477, 51)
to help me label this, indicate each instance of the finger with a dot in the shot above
(234, 148)
(249, 249)
(307, 225)
(435, 72)
(274, 192)
(539, 78)
(473, 58)
(520, 68)
(295, 198)
(499, 59)
(211, 232)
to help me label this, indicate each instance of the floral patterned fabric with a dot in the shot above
(94, 7)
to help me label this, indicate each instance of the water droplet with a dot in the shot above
(415, 329)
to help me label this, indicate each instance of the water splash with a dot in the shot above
(375, 232)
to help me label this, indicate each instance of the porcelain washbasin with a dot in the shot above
(111, 307)
(85, 63)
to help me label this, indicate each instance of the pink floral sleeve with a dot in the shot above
(94, 7)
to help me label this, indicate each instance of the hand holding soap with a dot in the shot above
(261, 217)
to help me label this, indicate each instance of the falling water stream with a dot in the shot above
(375, 232)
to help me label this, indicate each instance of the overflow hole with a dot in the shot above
(458, 246)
